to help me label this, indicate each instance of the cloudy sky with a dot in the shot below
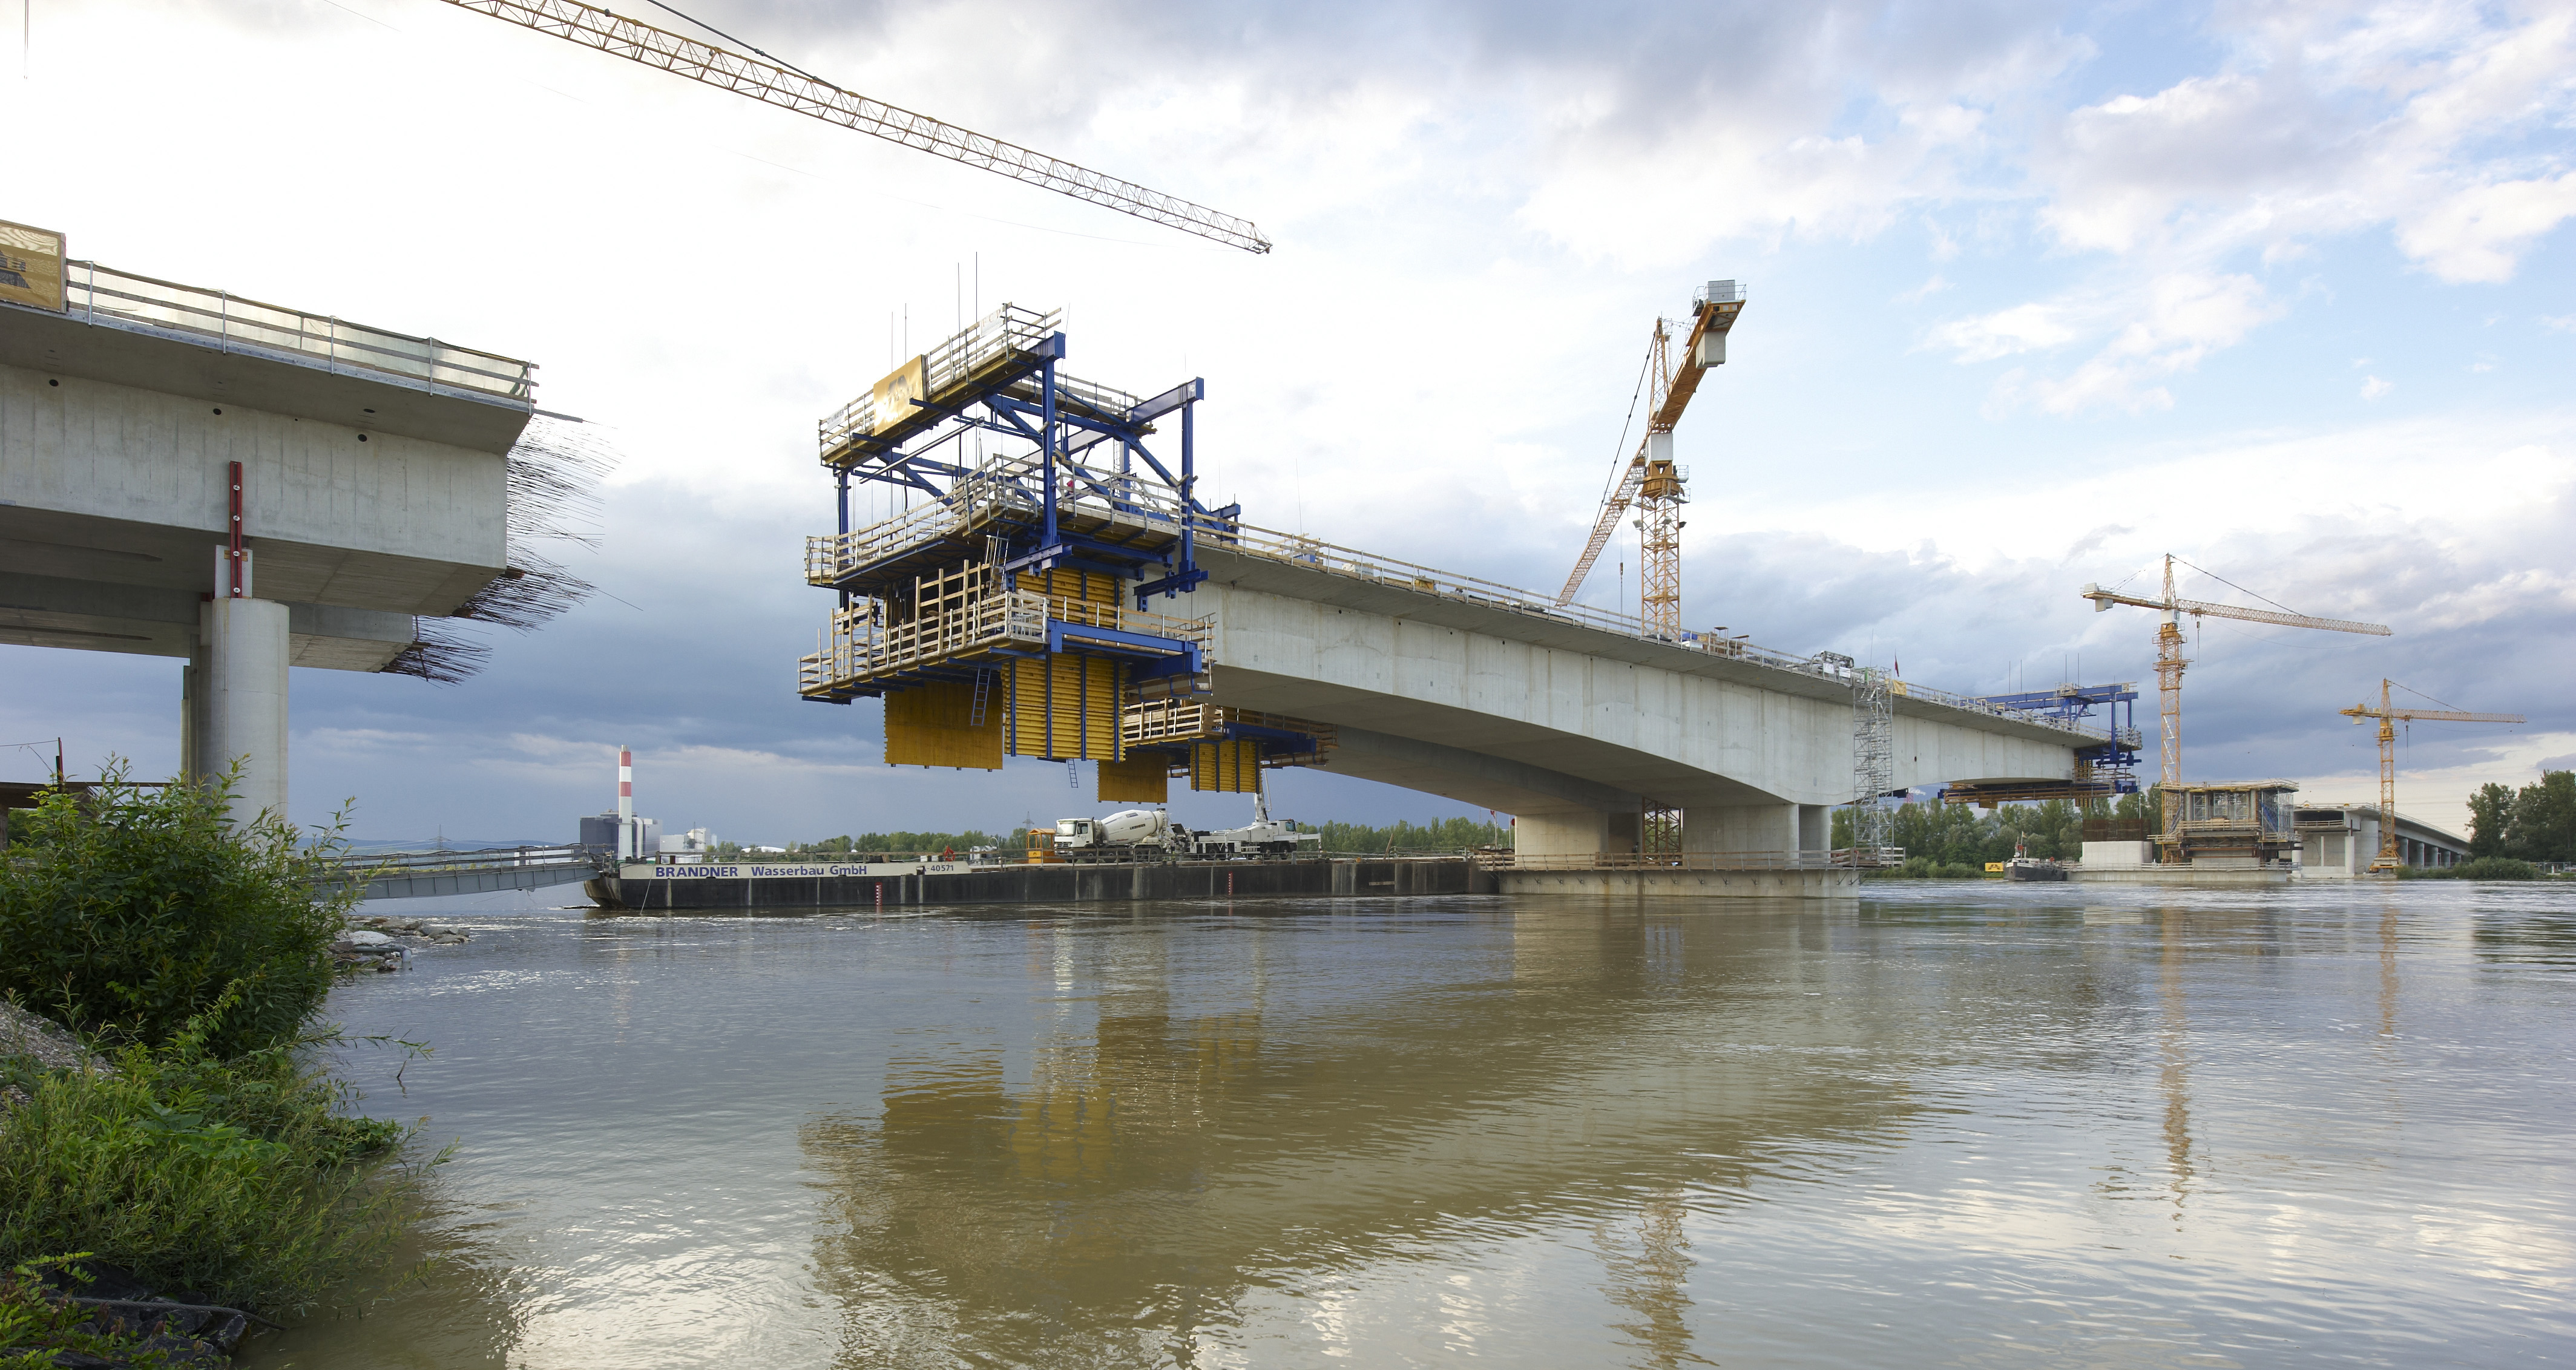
(2039, 292)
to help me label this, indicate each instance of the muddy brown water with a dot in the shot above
(1976, 1125)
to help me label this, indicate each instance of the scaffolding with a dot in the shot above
(1008, 613)
(1873, 767)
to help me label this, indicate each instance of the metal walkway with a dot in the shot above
(411, 875)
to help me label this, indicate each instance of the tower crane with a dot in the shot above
(2169, 659)
(778, 83)
(2388, 718)
(1651, 480)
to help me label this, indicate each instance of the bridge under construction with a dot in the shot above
(1074, 599)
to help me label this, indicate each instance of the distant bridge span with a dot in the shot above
(1574, 728)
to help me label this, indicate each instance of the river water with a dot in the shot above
(1945, 1124)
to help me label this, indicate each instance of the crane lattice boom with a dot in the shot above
(622, 37)
(2203, 608)
(2389, 717)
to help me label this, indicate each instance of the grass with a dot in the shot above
(243, 1180)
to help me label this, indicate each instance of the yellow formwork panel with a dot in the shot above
(933, 725)
(1145, 780)
(1065, 707)
(1091, 587)
(1227, 767)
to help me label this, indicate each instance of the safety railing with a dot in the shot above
(1157, 721)
(988, 345)
(229, 323)
(358, 867)
(862, 644)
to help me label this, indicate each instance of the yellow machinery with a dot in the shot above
(2388, 719)
(1651, 480)
(2169, 661)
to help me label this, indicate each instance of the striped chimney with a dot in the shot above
(625, 804)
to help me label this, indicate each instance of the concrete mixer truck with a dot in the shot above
(1128, 835)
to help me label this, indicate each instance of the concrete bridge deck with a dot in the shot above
(1566, 720)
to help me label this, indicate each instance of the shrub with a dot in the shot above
(2495, 868)
(230, 1178)
(125, 913)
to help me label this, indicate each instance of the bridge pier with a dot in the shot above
(1741, 827)
(1576, 832)
(233, 704)
(1815, 827)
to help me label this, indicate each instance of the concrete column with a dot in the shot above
(1741, 828)
(192, 709)
(1815, 827)
(1581, 832)
(244, 692)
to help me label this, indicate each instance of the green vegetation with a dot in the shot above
(2535, 823)
(227, 1177)
(127, 913)
(43, 1326)
(904, 846)
(1955, 841)
(207, 1148)
(1451, 834)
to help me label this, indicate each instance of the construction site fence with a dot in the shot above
(1134, 501)
(229, 323)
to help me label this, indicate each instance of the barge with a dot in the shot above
(893, 884)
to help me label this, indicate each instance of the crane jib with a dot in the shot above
(725, 69)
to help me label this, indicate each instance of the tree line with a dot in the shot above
(1440, 834)
(2534, 823)
(1960, 839)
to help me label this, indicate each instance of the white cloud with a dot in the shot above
(2172, 322)
(2373, 387)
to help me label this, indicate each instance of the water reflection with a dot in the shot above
(1173, 1137)
(2175, 1043)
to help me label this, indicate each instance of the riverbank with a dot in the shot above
(172, 1120)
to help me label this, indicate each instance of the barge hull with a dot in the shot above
(1038, 884)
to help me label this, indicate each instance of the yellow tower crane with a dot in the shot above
(2169, 660)
(1652, 481)
(2388, 719)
